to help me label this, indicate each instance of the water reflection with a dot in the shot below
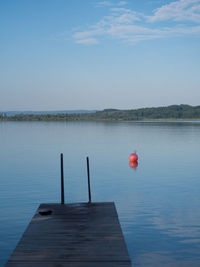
(133, 164)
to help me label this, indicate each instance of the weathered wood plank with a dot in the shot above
(73, 235)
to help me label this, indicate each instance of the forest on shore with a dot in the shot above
(174, 112)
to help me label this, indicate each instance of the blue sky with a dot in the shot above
(89, 54)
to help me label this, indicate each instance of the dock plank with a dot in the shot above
(73, 235)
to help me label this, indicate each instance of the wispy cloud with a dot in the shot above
(182, 10)
(122, 3)
(131, 27)
(87, 41)
(109, 3)
(104, 3)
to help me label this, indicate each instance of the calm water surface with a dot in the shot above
(158, 203)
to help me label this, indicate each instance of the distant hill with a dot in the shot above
(12, 113)
(154, 113)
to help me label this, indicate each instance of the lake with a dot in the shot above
(158, 202)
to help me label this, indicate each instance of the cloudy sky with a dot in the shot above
(89, 54)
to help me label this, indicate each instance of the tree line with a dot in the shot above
(154, 113)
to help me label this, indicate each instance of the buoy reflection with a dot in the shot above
(133, 164)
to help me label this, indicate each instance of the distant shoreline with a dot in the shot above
(174, 112)
(100, 120)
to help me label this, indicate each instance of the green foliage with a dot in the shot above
(170, 112)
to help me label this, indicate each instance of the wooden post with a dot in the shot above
(62, 179)
(88, 173)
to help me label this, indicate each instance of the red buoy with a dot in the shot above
(133, 157)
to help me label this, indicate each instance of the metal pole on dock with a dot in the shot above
(62, 179)
(88, 173)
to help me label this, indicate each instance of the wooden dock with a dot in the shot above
(73, 235)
